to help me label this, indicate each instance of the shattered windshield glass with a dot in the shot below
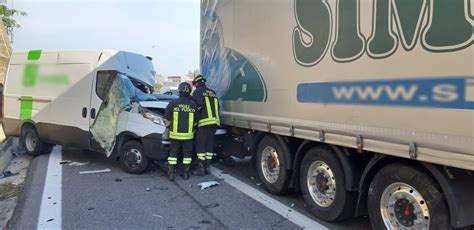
(123, 94)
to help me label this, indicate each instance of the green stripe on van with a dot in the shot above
(26, 108)
(34, 55)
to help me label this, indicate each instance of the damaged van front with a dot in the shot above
(130, 124)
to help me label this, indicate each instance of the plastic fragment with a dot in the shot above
(78, 163)
(96, 171)
(207, 184)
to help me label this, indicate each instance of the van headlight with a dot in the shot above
(157, 119)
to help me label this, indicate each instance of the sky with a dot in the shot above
(166, 30)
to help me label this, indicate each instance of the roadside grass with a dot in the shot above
(9, 190)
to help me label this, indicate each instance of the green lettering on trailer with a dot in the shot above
(26, 108)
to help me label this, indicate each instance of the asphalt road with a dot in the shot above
(117, 200)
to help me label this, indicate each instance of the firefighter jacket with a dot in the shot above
(182, 117)
(208, 106)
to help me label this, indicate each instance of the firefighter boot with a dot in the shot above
(171, 172)
(199, 171)
(207, 164)
(186, 172)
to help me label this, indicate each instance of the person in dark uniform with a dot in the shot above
(182, 117)
(209, 118)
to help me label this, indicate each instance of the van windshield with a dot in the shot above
(135, 91)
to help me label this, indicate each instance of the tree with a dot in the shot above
(193, 73)
(7, 17)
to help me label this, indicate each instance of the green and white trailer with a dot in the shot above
(366, 107)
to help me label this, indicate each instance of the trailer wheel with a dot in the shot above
(132, 158)
(402, 197)
(271, 166)
(30, 141)
(323, 185)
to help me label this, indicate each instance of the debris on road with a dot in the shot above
(7, 174)
(213, 205)
(64, 162)
(147, 189)
(252, 178)
(258, 184)
(49, 220)
(156, 215)
(90, 209)
(118, 180)
(78, 163)
(292, 205)
(96, 171)
(207, 184)
(204, 222)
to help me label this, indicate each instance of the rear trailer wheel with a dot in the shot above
(403, 197)
(271, 166)
(132, 158)
(323, 186)
(30, 141)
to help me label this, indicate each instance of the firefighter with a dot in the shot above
(181, 116)
(208, 107)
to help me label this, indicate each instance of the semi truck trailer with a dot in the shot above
(365, 107)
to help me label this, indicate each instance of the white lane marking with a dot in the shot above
(273, 204)
(242, 72)
(50, 216)
(233, 56)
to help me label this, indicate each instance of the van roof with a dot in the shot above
(135, 65)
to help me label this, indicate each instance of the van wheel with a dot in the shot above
(30, 141)
(47, 148)
(403, 197)
(323, 185)
(271, 166)
(132, 158)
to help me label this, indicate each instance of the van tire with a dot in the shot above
(30, 141)
(47, 148)
(276, 185)
(132, 158)
(334, 203)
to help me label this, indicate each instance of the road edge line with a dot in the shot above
(269, 202)
(50, 215)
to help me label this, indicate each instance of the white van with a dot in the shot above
(91, 99)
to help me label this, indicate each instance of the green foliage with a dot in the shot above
(158, 87)
(7, 17)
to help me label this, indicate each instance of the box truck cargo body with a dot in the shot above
(90, 99)
(340, 99)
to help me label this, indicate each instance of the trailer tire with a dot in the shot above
(30, 141)
(324, 191)
(274, 164)
(401, 194)
(132, 158)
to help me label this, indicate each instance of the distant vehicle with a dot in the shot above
(55, 97)
(365, 108)
(173, 92)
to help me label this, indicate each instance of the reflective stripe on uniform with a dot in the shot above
(174, 134)
(207, 121)
(175, 122)
(216, 108)
(187, 161)
(208, 108)
(172, 160)
(201, 156)
(209, 156)
(191, 123)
